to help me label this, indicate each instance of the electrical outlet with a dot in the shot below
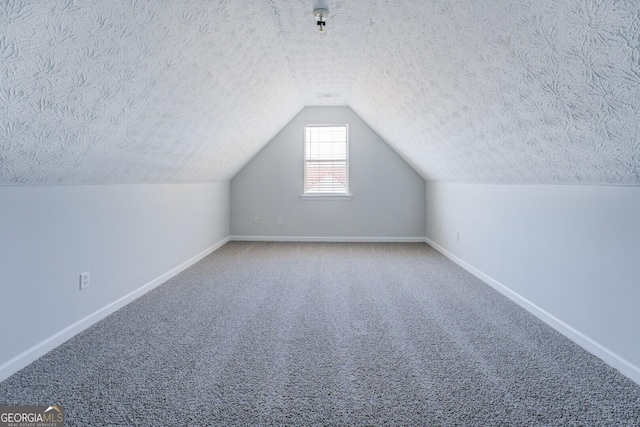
(439, 228)
(84, 280)
(458, 236)
(256, 220)
(279, 220)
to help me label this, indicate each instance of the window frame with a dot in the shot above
(325, 196)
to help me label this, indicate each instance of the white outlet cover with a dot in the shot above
(84, 280)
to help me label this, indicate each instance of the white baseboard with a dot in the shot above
(624, 366)
(25, 358)
(326, 239)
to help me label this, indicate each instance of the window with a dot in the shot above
(326, 160)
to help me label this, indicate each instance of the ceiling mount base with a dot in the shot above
(321, 17)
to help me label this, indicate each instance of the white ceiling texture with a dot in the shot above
(487, 91)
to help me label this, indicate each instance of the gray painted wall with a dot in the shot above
(126, 236)
(388, 195)
(571, 254)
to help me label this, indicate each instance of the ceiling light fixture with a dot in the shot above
(321, 17)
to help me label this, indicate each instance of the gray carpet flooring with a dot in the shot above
(325, 334)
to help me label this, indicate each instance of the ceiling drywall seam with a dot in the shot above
(362, 82)
(369, 6)
(275, 13)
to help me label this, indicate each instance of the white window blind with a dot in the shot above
(326, 160)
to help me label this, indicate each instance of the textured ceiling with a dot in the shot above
(496, 91)
(507, 91)
(138, 91)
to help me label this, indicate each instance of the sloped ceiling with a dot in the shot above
(490, 91)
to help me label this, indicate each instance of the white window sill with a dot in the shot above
(325, 197)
